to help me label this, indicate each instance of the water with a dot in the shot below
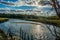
(33, 31)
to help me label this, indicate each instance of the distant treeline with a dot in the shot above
(18, 16)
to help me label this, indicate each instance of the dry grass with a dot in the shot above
(3, 19)
(48, 20)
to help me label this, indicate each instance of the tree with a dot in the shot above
(56, 7)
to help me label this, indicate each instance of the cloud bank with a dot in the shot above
(27, 2)
(22, 2)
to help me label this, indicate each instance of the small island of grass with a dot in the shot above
(3, 19)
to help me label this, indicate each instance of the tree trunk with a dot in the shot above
(56, 7)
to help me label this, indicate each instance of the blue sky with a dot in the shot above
(19, 2)
(15, 7)
(11, 0)
(21, 5)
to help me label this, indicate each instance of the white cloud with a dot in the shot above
(27, 3)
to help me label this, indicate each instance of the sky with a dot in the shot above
(17, 5)
(22, 4)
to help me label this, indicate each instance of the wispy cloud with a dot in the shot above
(27, 3)
(23, 4)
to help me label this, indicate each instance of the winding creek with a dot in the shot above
(30, 30)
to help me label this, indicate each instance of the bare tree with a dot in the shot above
(56, 6)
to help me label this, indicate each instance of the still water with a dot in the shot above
(39, 31)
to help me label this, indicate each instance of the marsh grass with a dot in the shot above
(3, 19)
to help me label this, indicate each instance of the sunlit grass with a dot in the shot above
(3, 19)
(48, 20)
(54, 20)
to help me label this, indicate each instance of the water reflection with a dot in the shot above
(29, 31)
